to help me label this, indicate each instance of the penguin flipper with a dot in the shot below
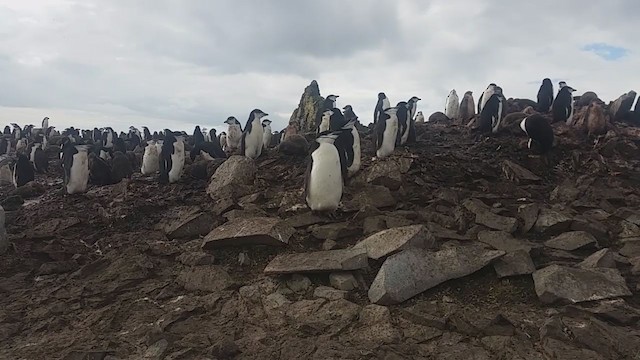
(242, 143)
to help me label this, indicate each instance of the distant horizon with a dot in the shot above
(93, 64)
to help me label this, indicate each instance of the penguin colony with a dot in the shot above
(103, 157)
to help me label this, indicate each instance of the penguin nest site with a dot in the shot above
(500, 228)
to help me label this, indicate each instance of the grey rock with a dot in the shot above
(592, 226)
(552, 222)
(12, 203)
(323, 316)
(58, 267)
(378, 197)
(557, 349)
(232, 179)
(304, 219)
(29, 190)
(630, 215)
(413, 271)
(306, 112)
(388, 172)
(572, 240)
(329, 245)
(604, 258)
(564, 193)
(631, 249)
(616, 311)
(298, 283)
(320, 261)
(243, 214)
(331, 294)
(529, 214)
(501, 240)
(515, 263)
(186, 222)
(388, 242)
(4, 239)
(294, 145)
(517, 173)
(610, 341)
(484, 216)
(628, 230)
(204, 278)
(335, 231)
(571, 285)
(249, 231)
(157, 350)
(343, 281)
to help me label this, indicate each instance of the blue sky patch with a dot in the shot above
(606, 51)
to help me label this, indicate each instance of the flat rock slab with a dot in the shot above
(517, 173)
(320, 261)
(604, 258)
(388, 242)
(388, 172)
(529, 214)
(249, 231)
(484, 216)
(552, 222)
(572, 240)
(513, 264)
(501, 240)
(186, 222)
(573, 285)
(305, 219)
(335, 231)
(413, 271)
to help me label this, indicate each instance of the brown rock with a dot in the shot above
(388, 242)
(186, 222)
(249, 231)
(335, 231)
(486, 217)
(552, 222)
(602, 258)
(501, 240)
(515, 263)
(517, 173)
(570, 241)
(529, 214)
(204, 278)
(389, 172)
(232, 179)
(320, 261)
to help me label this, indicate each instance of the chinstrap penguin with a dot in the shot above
(382, 104)
(234, 134)
(562, 108)
(545, 96)
(251, 143)
(452, 107)
(267, 134)
(75, 162)
(386, 132)
(22, 171)
(539, 130)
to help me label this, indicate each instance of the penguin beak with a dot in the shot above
(265, 114)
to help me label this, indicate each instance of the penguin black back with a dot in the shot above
(198, 137)
(23, 171)
(379, 107)
(165, 156)
(120, 167)
(403, 120)
(146, 133)
(7, 130)
(539, 130)
(337, 120)
(68, 150)
(119, 145)
(545, 96)
(212, 148)
(41, 160)
(562, 105)
(491, 114)
(99, 171)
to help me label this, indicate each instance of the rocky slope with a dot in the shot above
(495, 253)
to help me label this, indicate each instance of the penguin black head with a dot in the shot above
(381, 96)
(498, 90)
(416, 99)
(546, 81)
(257, 114)
(347, 108)
(332, 97)
(266, 122)
(562, 84)
(231, 120)
(222, 133)
(492, 84)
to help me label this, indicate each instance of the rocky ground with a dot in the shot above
(495, 254)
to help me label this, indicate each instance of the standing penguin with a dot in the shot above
(562, 108)
(5, 145)
(40, 159)
(539, 130)
(403, 123)
(452, 108)
(45, 123)
(146, 133)
(22, 171)
(561, 84)
(150, 159)
(7, 130)
(382, 104)
(412, 106)
(21, 145)
(251, 144)
(485, 96)
(234, 134)
(108, 137)
(545, 96)
(349, 114)
(223, 140)
(386, 131)
(351, 144)
(467, 108)
(171, 158)
(491, 114)
(120, 167)
(197, 136)
(99, 171)
(75, 162)
(17, 131)
(326, 172)
(420, 118)
(267, 134)
(328, 104)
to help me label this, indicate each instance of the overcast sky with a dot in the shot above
(175, 64)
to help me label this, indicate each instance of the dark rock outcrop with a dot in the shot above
(308, 107)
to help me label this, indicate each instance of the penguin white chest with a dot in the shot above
(355, 165)
(388, 138)
(266, 136)
(20, 145)
(385, 103)
(324, 187)
(223, 142)
(234, 136)
(253, 141)
(150, 160)
(177, 161)
(453, 106)
(32, 155)
(325, 124)
(79, 173)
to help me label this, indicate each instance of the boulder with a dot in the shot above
(294, 145)
(604, 258)
(501, 240)
(389, 172)
(439, 117)
(484, 216)
(29, 190)
(514, 263)
(586, 99)
(552, 222)
(249, 231)
(378, 197)
(233, 178)
(204, 278)
(412, 271)
(518, 174)
(320, 261)
(572, 240)
(345, 281)
(529, 214)
(388, 242)
(186, 222)
(310, 105)
(631, 249)
(572, 285)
